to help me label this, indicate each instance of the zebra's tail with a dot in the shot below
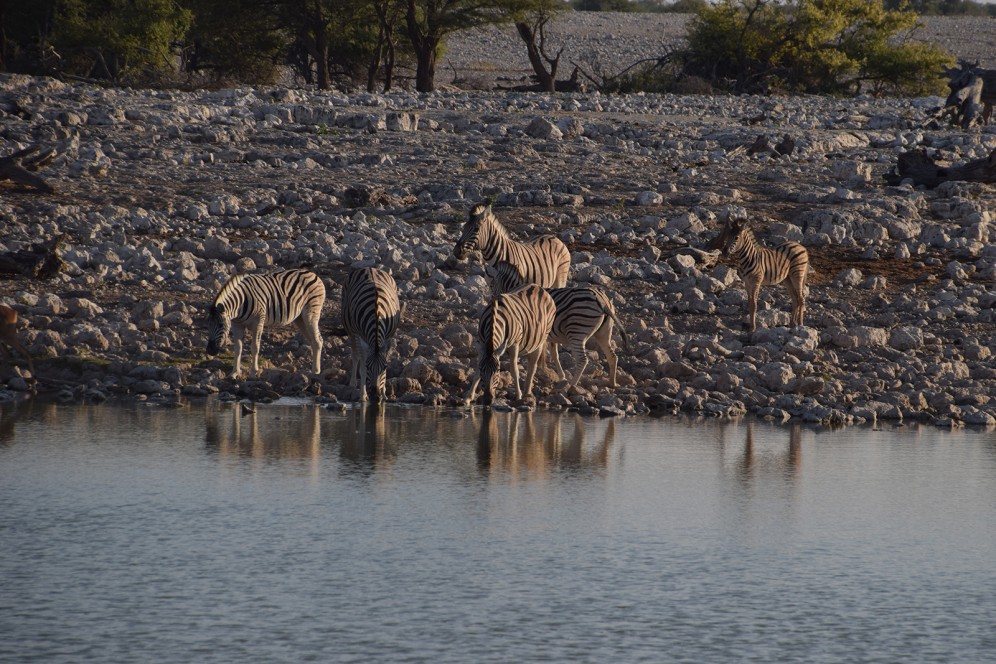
(610, 311)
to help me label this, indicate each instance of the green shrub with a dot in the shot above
(818, 46)
(123, 41)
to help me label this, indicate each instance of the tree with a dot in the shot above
(234, 40)
(25, 35)
(831, 46)
(389, 14)
(531, 18)
(429, 21)
(123, 41)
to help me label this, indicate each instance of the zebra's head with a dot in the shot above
(730, 237)
(219, 327)
(471, 233)
(493, 346)
(377, 368)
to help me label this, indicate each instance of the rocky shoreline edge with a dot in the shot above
(163, 195)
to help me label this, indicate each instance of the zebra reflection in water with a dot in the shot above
(265, 432)
(513, 443)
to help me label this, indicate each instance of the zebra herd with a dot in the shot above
(531, 309)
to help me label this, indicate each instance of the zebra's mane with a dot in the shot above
(226, 291)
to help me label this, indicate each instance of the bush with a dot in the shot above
(123, 41)
(817, 46)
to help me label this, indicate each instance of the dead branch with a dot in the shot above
(917, 166)
(41, 261)
(19, 167)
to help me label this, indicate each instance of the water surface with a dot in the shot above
(140, 534)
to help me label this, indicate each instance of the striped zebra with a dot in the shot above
(254, 301)
(542, 260)
(583, 312)
(370, 314)
(760, 266)
(516, 321)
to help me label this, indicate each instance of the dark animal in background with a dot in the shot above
(8, 335)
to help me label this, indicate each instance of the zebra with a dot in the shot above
(520, 320)
(370, 314)
(543, 260)
(254, 301)
(760, 266)
(583, 312)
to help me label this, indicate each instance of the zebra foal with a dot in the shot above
(760, 266)
(543, 260)
(520, 320)
(371, 313)
(254, 301)
(582, 313)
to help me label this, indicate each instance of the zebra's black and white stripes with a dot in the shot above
(371, 313)
(543, 260)
(762, 266)
(252, 302)
(583, 313)
(514, 322)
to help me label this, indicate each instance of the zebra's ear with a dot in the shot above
(479, 210)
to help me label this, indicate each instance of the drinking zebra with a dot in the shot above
(254, 301)
(520, 320)
(542, 260)
(760, 266)
(370, 314)
(583, 312)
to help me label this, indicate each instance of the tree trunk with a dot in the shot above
(389, 65)
(425, 45)
(917, 166)
(322, 60)
(425, 72)
(546, 79)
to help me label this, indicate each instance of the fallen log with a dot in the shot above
(41, 261)
(917, 166)
(19, 166)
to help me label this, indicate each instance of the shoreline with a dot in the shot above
(163, 195)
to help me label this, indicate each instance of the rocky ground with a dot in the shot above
(163, 195)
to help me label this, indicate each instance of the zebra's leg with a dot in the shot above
(603, 338)
(753, 290)
(514, 357)
(354, 356)
(579, 353)
(532, 359)
(309, 329)
(257, 339)
(363, 371)
(237, 333)
(469, 399)
(555, 354)
(797, 291)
